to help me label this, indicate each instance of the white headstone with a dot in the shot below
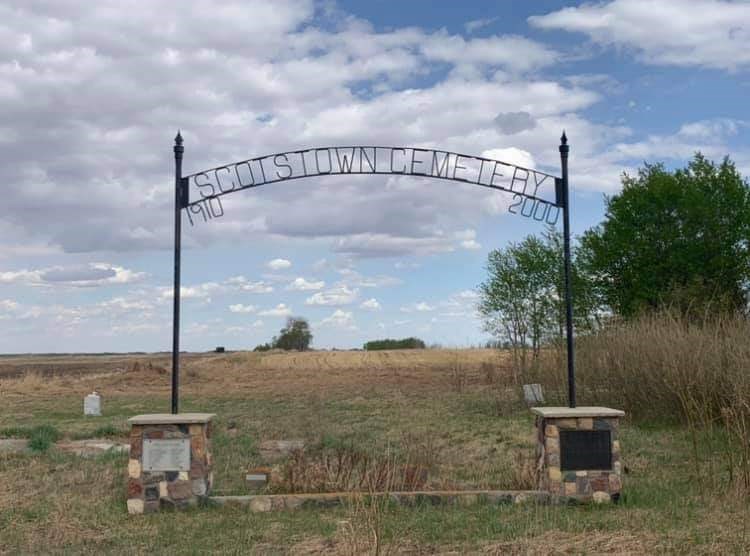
(532, 394)
(92, 404)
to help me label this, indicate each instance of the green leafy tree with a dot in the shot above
(405, 343)
(589, 306)
(522, 301)
(517, 299)
(295, 335)
(678, 239)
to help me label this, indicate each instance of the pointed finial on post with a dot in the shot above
(178, 148)
(564, 148)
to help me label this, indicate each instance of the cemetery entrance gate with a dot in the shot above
(536, 195)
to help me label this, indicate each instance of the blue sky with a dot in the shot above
(92, 95)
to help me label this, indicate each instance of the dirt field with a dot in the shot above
(456, 412)
(212, 371)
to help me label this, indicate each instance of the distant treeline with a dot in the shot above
(406, 343)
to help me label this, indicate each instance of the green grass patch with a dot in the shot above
(15, 432)
(104, 431)
(40, 437)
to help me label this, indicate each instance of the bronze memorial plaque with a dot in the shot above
(585, 450)
(170, 454)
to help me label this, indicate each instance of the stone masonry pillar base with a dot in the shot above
(170, 461)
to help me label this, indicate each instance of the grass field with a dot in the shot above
(456, 410)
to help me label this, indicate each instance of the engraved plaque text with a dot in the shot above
(169, 454)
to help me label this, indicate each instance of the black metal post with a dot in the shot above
(564, 149)
(178, 150)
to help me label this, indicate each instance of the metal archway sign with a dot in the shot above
(536, 195)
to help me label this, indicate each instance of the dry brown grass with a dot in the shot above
(348, 467)
(479, 434)
(660, 366)
(558, 542)
(240, 373)
(669, 368)
(69, 365)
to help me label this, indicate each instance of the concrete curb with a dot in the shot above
(278, 502)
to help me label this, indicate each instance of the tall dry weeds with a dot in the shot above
(348, 467)
(366, 529)
(669, 368)
(458, 374)
(657, 367)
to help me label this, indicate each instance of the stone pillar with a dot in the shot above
(578, 452)
(170, 461)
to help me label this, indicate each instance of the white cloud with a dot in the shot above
(383, 245)
(281, 310)
(339, 319)
(83, 276)
(706, 136)
(197, 329)
(340, 295)
(370, 305)
(459, 305)
(715, 129)
(243, 284)
(279, 264)
(8, 308)
(33, 313)
(514, 52)
(205, 290)
(468, 239)
(406, 265)
(301, 284)
(274, 277)
(702, 33)
(354, 279)
(27, 277)
(240, 330)
(420, 307)
(8, 305)
(122, 304)
(121, 275)
(476, 24)
(199, 291)
(313, 83)
(511, 155)
(240, 308)
(136, 328)
(454, 314)
(320, 264)
(114, 312)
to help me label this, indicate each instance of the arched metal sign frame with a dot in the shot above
(525, 184)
